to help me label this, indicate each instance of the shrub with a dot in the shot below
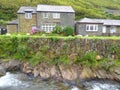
(57, 29)
(60, 60)
(68, 30)
(22, 52)
(89, 59)
(39, 57)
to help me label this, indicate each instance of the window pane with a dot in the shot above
(45, 15)
(28, 15)
(91, 27)
(48, 27)
(56, 15)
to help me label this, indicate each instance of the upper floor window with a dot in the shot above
(28, 15)
(56, 15)
(45, 15)
(91, 27)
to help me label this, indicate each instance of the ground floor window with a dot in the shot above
(48, 27)
(112, 29)
(91, 27)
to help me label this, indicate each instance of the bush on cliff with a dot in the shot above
(88, 59)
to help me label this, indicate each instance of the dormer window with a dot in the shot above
(56, 15)
(28, 15)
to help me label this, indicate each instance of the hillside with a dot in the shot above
(83, 8)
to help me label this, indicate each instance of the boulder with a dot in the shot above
(2, 70)
(36, 72)
(68, 73)
(12, 65)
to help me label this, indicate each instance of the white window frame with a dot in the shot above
(91, 27)
(28, 15)
(48, 27)
(104, 29)
(45, 15)
(112, 29)
(56, 15)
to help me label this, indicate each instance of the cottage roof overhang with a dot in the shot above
(106, 22)
(24, 9)
(13, 22)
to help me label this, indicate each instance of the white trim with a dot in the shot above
(56, 15)
(48, 27)
(104, 29)
(45, 15)
(28, 15)
(91, 27)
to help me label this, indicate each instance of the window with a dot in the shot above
(56, 15)
(48, 27)
(45, 15)
(112, 29)
(28, 15)
(91, 27)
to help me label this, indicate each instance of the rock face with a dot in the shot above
(61, 72)
(2, 70)
(11, 65)
(71, 72)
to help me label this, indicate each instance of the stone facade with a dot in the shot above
(98, 27)
(81, 30)
(66, 19)
(11, 28)
(25, 25)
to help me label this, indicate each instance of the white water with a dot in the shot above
(75, 88)
(11, 82)
(95, 85)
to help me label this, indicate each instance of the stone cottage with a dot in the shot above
(42, 17)
(98, 27)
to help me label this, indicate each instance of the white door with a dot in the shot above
(104, 29)
(112, 29)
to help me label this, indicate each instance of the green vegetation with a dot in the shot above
(83, 8)
(68, 31)
(57, 30)
(57, 50)
(88, 59)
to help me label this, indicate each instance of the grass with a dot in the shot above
(62, 37)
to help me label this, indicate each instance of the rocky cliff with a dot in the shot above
(61, 72)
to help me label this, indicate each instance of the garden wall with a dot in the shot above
(57, 50)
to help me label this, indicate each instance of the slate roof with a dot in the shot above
(54, 8)
(13, 22)
(24, 8)
(102, 21)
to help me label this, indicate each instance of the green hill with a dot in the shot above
(83, 8)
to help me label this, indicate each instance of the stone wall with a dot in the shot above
(78, 47)
(81, 30)
(11, 28)
(25, 25)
